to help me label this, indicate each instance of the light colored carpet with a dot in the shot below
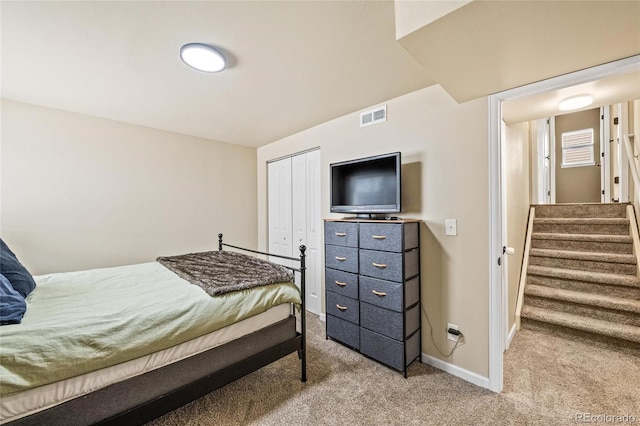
(548, 380)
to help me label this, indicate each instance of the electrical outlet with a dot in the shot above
(450, 336)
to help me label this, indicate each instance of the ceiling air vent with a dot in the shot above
(374, 116)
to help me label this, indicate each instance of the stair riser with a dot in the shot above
(583, 265)
(597, 340)
(557, 228)
(586, 287)
(590, 210)
(620, 317)
(591, 246)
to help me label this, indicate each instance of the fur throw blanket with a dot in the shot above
(219, 272)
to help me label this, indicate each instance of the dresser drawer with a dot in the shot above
(341, 234)
(389, 351)
(343, 307)
(394, 237)
(343, 331)
(340, 282)
(389, 266)
(382, 265)
(342, 258)
(389, 323)
(389, 294)
(381, 236)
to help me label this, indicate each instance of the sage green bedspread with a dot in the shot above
(82, 321)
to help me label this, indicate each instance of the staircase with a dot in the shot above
(582, 279)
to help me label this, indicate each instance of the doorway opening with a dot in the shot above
(580, 157)
(515, 106)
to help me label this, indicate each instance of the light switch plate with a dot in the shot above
(451, 227)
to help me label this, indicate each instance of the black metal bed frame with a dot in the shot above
(142, 398)
(302, 353)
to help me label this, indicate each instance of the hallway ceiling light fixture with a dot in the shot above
(575, 102)
(202, 57)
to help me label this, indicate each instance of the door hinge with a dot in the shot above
(615, 121)
(548, 192)
(603, 192)
(500, 261)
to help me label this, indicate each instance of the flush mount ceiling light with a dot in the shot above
(575, 102)
(202, 57)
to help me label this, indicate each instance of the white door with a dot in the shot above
(542, 170)
(307, 223)
(605, 174)
(297, 220)
(622, 128)
(279, 205)
(546, 163)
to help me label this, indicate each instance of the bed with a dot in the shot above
(100, 358)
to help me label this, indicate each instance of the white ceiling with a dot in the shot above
(606, 91)
(294, 64)
(487, 47)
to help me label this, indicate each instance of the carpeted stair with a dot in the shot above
(582, 279)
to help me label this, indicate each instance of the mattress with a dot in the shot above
(21, 404)
(191, 322)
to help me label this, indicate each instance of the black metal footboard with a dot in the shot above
(302, 352)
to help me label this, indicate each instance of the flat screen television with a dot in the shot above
(366, 186)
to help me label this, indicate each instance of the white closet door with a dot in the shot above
(314, 229)
(307, 222)
(279, 187)
(295, 217)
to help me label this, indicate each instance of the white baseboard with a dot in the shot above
(467, 375)
(512, 333)
(322, 317)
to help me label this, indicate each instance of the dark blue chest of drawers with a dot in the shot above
(372, 285)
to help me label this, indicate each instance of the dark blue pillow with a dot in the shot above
(12, 269)
(12, 304)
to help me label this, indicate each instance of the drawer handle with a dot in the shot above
(341, 259)
(341, 234)
(379, 237)
(379, 293)
(342, 308)
(379, 265)
(341, 284)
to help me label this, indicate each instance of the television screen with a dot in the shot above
(367, 185)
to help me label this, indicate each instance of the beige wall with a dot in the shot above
(81, 192)
(444, 149)
(516, 168)
(578, 184)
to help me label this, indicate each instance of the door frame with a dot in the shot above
(497, 311)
